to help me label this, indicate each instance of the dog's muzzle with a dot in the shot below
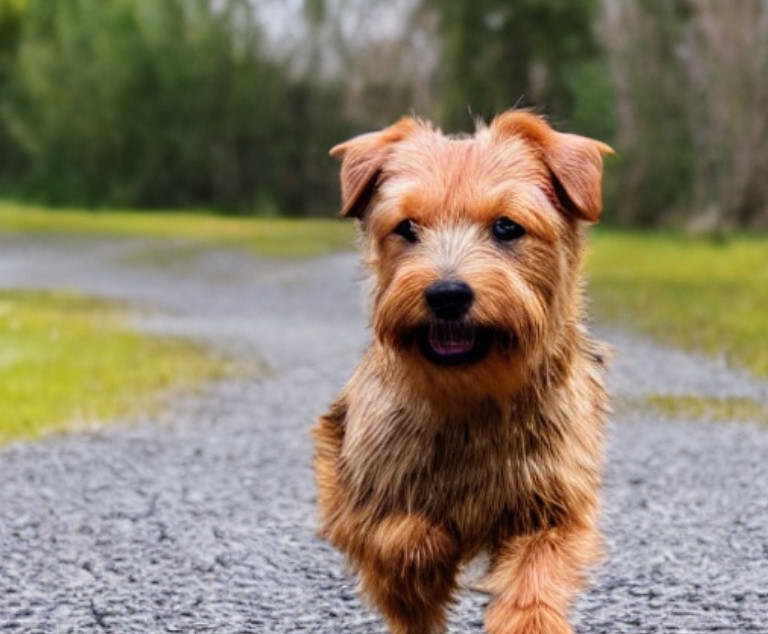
(449, 299)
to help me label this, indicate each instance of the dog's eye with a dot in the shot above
(506, 229)
(407, 229)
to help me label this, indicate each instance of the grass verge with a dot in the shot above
(262, 236)
(692, 406)
(67, 360)
(695, 293)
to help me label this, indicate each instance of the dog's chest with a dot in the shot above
(464, 469)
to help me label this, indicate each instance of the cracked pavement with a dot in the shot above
(201, 518)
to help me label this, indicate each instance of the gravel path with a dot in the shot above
(201, 519)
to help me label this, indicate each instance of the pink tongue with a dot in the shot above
(448, 340)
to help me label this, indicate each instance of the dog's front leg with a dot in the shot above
(408, 569)
(534, 578)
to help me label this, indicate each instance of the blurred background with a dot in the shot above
(231, 105)
(146, 135)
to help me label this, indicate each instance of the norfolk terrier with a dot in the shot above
(474, 422)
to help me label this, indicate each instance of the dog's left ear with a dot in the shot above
(363, 158)
(576, 162)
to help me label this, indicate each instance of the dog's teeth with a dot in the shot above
(447, 339)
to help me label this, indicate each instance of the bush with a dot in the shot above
(172, 103)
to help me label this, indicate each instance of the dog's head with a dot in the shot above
(474, 242)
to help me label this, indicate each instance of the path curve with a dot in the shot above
(201, 519)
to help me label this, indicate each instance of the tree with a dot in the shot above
(496, 54)
(727, 62)
(691, 100)
(10, 23)
(145, 103)
(653, 138)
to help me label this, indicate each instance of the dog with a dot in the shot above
(474, 422)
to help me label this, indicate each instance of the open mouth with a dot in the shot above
(454, 343)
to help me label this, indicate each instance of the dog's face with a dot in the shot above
(475, 242)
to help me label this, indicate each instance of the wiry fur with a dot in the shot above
(419, 467)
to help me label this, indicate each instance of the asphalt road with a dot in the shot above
(201, 518)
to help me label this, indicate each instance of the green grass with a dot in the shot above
(67, 361)
(263, 236)
(691, 292)
(692, 406)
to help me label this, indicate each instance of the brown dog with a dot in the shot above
(474, 422)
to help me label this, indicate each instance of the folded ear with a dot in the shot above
(576, 162)
(363, 158)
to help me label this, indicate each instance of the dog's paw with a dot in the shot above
(504, 618)
(411, 543)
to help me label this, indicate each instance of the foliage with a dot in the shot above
(10, 24)
(496, 54)
(69, 360)
(691, 103)
(142, 103)
(232, 104)
(727, 117)
(653, 140)
(704, 295)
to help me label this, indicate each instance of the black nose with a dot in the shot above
(449, 299)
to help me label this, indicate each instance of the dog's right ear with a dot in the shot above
(363, 158)
(574, 161)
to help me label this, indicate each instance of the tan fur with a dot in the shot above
(419, 467)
